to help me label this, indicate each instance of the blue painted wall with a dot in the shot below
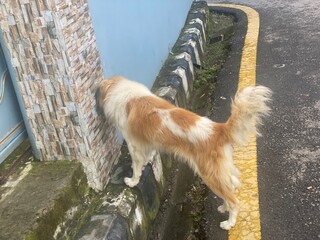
(134, 37)
(14, 82)
(12, 128)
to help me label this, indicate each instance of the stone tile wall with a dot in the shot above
(53, 52)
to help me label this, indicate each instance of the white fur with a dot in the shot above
(200, 132)
(121, 94)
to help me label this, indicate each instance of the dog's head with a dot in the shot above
(103, 91)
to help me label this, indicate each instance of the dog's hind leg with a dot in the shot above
(235, 184)
(227, 194)
(233, 213)
(139, 158)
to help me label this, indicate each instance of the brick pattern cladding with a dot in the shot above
(54, 54)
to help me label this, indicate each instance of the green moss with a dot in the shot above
(213, 59)
(76, 194)
(210, 27)
(195, 195)
(166, 160)
(142, 230)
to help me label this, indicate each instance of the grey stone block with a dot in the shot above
(177, 73)
(105, 226)
(189, 47)
(199, 24)
(198, 10)
(168, 93)
(188, 36)
(171, 79)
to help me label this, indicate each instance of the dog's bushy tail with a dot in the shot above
(248, 108)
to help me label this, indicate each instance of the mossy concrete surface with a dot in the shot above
(42, 200)
(124, 212)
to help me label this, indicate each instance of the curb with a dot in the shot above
(128, 213)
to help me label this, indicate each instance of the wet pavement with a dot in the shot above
(288, 154)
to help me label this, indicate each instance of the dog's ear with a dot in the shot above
(99, 108)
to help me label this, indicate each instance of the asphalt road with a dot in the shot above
(288, 62)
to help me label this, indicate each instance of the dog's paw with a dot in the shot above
(130, 182)
(226, 225)
(222, 208)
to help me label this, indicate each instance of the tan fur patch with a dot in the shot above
(183, 118)
(143, 117)
(148, 103)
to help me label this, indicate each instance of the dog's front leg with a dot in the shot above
(137, 171)
(139, 160)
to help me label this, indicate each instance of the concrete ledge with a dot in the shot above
(45, 201)
(128, 213)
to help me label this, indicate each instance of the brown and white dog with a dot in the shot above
(149, 123)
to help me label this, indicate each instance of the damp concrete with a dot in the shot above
(40, 197)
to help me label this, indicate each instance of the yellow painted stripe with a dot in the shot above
(248, 222)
